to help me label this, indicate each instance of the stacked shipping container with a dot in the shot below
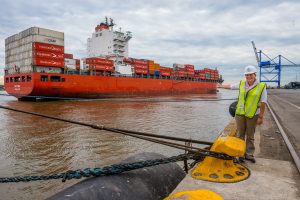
(71, 63)
(34, 47)
(154, 68)
(190, 70)
(140, 66)
(178, 70)
(207, 73)
(98, 64)
(165, 71)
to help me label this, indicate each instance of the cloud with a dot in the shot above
(204, 33)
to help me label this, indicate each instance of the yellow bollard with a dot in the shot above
(219, 170)
(195, 195)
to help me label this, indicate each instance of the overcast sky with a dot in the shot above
(204, 33)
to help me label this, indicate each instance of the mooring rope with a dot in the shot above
(194, 153)
(108, 170)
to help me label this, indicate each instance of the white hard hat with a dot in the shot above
(250, 69)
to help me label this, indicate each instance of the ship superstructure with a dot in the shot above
(106, 41)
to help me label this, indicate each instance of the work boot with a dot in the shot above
(250, 158)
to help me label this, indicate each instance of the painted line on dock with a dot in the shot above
(286, 140)
(288, 102)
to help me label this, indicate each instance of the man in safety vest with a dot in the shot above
(250, 108)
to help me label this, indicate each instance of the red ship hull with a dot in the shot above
(33, 85)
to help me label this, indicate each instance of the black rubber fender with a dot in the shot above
(232, 108)
(150, 183)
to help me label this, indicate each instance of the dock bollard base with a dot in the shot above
(202, 194)
(223, 171)
(218, 170)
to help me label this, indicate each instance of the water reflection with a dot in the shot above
(34, 145)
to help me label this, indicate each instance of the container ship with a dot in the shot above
(36, 66)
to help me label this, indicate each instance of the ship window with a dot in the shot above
(11, 79)
(23, 78)
(6, 79)
(28, 78)
(17, 79)
(63, 79)
(44, 78)
(55, 79)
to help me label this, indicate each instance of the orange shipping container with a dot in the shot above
(45, 54)
(188, 66)
(47, 47)
(140, 71)
(165, 73)
(151, 62)
(137, 66)
(168, 69)
(68, 55)
(101, 61)
(140, 62)
(189, 70)
(49, 62)
(101, 67)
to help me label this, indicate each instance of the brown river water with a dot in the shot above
(31, 145)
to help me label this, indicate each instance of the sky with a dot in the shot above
(213, 33)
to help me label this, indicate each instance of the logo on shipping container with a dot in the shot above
(51, 40)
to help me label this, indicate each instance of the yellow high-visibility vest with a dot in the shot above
(248, 102)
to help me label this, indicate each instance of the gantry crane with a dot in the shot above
(271, 67)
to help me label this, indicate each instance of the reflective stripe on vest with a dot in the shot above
(248, 102)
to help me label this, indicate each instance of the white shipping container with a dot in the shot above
(42, 39)
(18, 50)
(25, 62)
(34, 31)
(8, 53)
(12, 45)
(51, 33)
(25, 55)
(85, 66)
(124, 69)
(12, 38)
(26, 47)
(48, 69)
(70, 61)
(14, 65)
(13, 58)
(29, 31)
(69, 66)
(175, 65)
(11, 71)
(26, 69)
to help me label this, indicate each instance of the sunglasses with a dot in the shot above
(249, 74)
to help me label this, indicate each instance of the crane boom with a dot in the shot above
(255, 52)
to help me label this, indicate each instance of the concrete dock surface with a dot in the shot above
(274, 176)
(286, 105)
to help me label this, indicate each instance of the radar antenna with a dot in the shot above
(106, 21)
(111, 22)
